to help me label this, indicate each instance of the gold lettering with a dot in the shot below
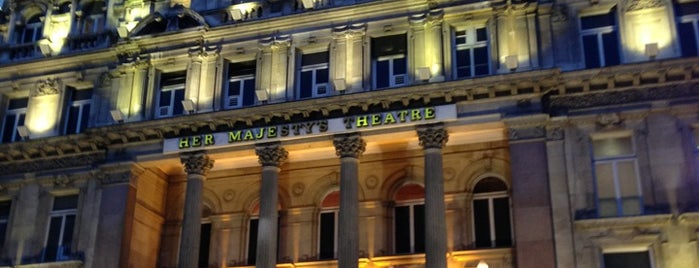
(389, 119)
(184, 143)
(402, 115)
(415, 115)
(362, 121)
(208, 139)
(233, 136)
(375, 119)
(196, 141)
(271, 132)
(248, 135)
(430, 113)
(260, 133)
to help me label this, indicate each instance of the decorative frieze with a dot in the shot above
(50, 163)
(351, 145)
(351, 30)
(633, 5)
(432, 136)
(271, 154)
(197, 163)
(45, 87)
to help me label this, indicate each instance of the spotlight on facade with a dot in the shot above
(307, 4)
(511, 62)
(423, 74)
(117, 115)
(23, 132)
(262, 95)
(651, 50)
(235, 13)
(340, 84)
(188, 106)
(482, 264)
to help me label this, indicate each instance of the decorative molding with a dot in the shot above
(609, 121)
(51, 163)
(633, 5)
(554, 133)
(49, 86)
(197, 163)
(371, 182)
(298, 188)
(351, 30)
(625, 222)
(228, 195)
(349, 145)
(276, 41)
(526, 133)
(432, 136)
(271, 154)
(559, 13)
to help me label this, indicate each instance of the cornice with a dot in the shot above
(624, 222)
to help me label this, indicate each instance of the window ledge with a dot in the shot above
(61, 264)
(624, 222)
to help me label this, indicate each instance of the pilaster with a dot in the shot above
(273, 70)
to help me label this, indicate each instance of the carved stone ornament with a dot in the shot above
(277, 41)
(271, 154)
(298, 188)
(555, 133)
(633, 5)
(228, 195)
(432, 136)
(371, 182)
(611, 120)
(49, 86)
(357, 29)
(62, 181)
(527, 133)
(105, 80)
(559, 13)
(351, 145)
(197, 163)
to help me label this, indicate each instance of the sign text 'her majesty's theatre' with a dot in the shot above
(311, 128)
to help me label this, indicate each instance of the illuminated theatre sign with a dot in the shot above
(311, 128)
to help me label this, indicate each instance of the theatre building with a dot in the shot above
(349, 133)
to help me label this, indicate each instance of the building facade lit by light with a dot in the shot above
(349, 133)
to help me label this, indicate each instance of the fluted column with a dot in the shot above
(271, 156)
(432, 139)
(349, 148)
(197, 165)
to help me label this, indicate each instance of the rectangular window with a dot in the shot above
(639, 259)
(688, 27)
(471, 57)
(204, 243)
(171, 94)
(78, 113)
(313, 75)
(93, 24)
(600, 40)
(240, 90)
(491, 217)
(30, 32)
(389, 61)
(616, 173)
(59, 238)
(4, 220)
(252, 241)
(328, 235)
(409, 228)
(14, 117)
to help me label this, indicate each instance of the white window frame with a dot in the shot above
(37, 32)
(394, 79)
(411, 213)
(81, 116)
(314, 68)
(633, 248)
(63, 214)
(694, 19)
(17, 113)
(336, 212)
(471, 44)
(614, 161)
(490, 196)
(173, 88)
(243, 79)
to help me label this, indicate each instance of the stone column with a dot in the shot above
(273, 68)
(349, 148)
(271, 156)
(197, 165)
(432, 139)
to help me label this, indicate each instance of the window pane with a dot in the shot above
(501, 215)
(204, 242)
(611, 49)
(72, 125)
(382, 79)
(612, 147)
(686, 8)
(419, 223)
(3, 231)
(402, 229)
(627, 260)
(242, 68)
(65, 202)
(400, 66)
(165, 98)
(8, 128)
(628, 181)
(388, 45)
(82, 94)
(249, 92)
(252, 241)
(489, 184)
(688, 39)
(18, 103)
(234, 88)
(327, 235)
(481, 35)
(597, 21)
(178, 109)
(591, 51)
(52, 241)
(306, 84)
(315, 58)
(85, 117)
(460, 37)
(5, 210)
(67, 242)
(463, 63)
(605, 181)
(481, 220)
(322, 75)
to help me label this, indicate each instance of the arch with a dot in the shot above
(30, 11)
(472, 172)
(152, 24)
(177, 18)
(331, 199)
(210, 199)
(397, 179)
(322, 186)
(409, 191)
(490, 184)
(474, 182)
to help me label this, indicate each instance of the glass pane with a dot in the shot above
(165, 98)
(327, 235)
(3, 230)
(67, 242)
(591, 51)
(8, 130)
(628, 181)
(419, 223)
(402, 229)
(489, 184)
(82, 94)
(481, 220)
(612, 147)
(234, 88)
(52, 241)
(249, 92)
(65, 202)
(179, 97)
(686, 8)
(204, 242)
(20, 122)
(460, 37)
(596, 21)
(611, 49)
(306, 84)
(480, 55)
(605, 181)
(18, 103)
(72, 125)
(388, 45)
(501, 215)
(688, 39)
(315, 58)
(322, 75)
(627, 260)
(252, 241)
(85, 117)
(481, 35)
(5, 210)
(382, 74)
(241, 68)
(463, 63)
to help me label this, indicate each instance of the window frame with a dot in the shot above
(81, 105)
(393, 78)
(5, 219)
(313, 68)
(490, 197)
(19, 115)
(692, 18)
(173, 88)
(411, 204)
(63, 214)
(599, 32)
(244, 80)
(249, 236)
(336, 213)
(471, 45)
(36, 27)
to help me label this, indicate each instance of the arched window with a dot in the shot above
(31, 31)
(205, 238)
(492, 226)
(93, 18)
(327, 226)
(409, 219)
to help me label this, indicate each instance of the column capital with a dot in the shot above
(432, 136)
(197, 163)
(349, 145)
(271, 154)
